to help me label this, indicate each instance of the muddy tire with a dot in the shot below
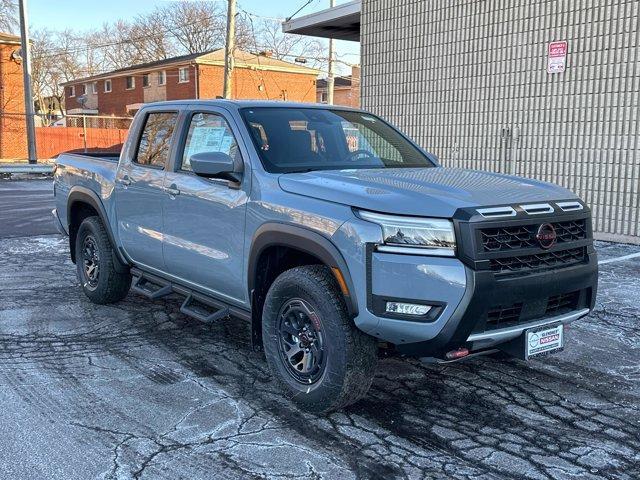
(95, 263)
(321, 359)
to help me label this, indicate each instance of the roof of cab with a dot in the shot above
(238, 104)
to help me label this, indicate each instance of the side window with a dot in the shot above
(155, 141)
(208, 132)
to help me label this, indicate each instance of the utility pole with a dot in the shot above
(331, 77)
(26, 77)
(229, 48)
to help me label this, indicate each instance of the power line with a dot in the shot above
(300, 9)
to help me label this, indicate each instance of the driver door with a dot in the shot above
(204, 218)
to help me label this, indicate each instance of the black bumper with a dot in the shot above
(532, 293)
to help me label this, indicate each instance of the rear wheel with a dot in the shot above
(321, 359)
(99, 278)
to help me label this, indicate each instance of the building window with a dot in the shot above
(107, 85)
(84, 89)
(145, 80)
(183, 75)
(162, 77)
(131, 83)
(323, 97)
(94, 88)
(72, 91)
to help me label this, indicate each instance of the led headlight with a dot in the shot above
(414, 235)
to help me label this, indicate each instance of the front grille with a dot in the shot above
(524, 236)
(506, 315)
(562, 303)
(539, 261)
(499, 316)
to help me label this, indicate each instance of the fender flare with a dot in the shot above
(285, 235)
(79, 194)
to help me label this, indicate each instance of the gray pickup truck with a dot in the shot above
(332, 233)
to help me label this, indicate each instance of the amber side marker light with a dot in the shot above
(456, 354)
(340, 279)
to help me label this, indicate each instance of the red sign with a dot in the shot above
(557, 57)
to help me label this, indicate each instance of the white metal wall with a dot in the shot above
(467, 79)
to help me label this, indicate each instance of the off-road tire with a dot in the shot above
(351, 355)
(111, 285)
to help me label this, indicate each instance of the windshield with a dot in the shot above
(306, 139)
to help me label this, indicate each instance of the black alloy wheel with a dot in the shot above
(301, 341)
(91, 262)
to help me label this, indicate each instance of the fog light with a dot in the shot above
(407, 308)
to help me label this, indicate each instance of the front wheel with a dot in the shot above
(313, 348)
(99, 278)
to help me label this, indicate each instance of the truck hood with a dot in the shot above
(436, 192)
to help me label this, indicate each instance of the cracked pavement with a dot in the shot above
(138, 390)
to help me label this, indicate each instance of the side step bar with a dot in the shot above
(145, 287)
(194, 304)
(187, 309)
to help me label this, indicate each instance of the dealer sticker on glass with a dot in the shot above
(544, 341)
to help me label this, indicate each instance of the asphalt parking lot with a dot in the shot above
(138, 390)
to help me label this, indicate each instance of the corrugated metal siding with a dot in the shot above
(464, 77)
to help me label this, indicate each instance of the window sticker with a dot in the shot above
(207, 139)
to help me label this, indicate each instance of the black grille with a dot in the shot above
(524, 236)
(499, 316)
(562, 303)
(539, 261)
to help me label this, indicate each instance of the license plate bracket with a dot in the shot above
(541, 341)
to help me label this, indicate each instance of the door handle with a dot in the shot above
(172, 190)
(126, 181)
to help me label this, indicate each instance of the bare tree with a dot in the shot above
(267, 35)
(115, 43)
(8, 15)
(152, 41)
(57, 57)
(195, 26)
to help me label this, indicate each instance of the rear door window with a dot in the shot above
(155, 141)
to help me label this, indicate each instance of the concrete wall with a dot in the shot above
(468, 79)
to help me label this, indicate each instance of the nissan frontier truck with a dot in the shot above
(332, 233)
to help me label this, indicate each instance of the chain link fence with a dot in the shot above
(58, 134)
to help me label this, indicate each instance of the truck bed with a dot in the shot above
(92, 171)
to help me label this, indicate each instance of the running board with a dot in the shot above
(187, 309)
(142, 286)
(195, 304)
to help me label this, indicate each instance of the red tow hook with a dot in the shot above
(457, 354)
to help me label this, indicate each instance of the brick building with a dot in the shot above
(547, 89)
(13, 132)
(255, 76)
(346, 90)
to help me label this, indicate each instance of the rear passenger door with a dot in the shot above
(204, 218)
(140, 190)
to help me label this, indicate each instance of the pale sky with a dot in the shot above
(87, 14)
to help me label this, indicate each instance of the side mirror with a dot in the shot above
(216, 165)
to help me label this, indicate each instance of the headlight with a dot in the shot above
(414, 235)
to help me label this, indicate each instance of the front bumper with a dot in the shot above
(534, 295)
